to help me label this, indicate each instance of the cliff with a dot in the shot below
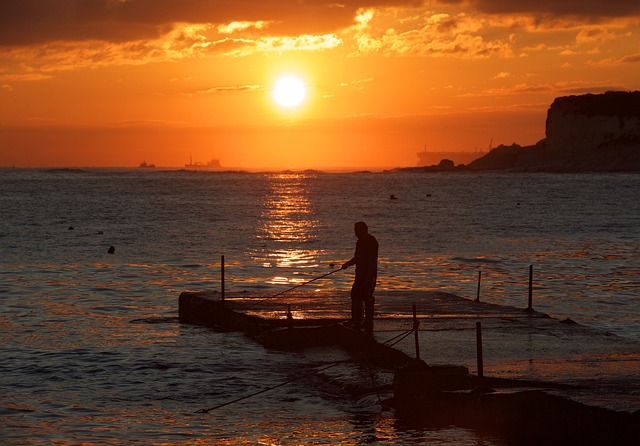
(583, 133)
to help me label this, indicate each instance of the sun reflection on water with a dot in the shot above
(286, 223)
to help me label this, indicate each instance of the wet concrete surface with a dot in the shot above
(603, 369)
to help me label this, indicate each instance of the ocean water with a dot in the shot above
(92, 351)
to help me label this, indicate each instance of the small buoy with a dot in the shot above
(100, 232)
(428, 195)
(393, 197)
(111, 250)
(70, 228)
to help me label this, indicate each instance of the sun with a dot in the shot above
(289, 91)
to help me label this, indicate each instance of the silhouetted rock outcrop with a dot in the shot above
(583, 133)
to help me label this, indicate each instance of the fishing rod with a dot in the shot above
(306, 283)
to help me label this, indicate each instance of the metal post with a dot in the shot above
(479, 277)
(289, 316)
(416, 324)
(530, 307)
(479, 349)
(222, 276)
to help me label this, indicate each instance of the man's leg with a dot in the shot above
(356, 310)
(368, 313)
(356, 303)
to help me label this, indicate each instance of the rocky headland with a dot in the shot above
(587, 133)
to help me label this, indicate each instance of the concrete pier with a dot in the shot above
(537, 369)
(283, 331)
(517, 344)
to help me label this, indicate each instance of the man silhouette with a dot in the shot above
(366, 261)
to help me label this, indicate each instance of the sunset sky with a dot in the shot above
(116, 82)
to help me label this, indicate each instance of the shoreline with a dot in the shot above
(461, 168)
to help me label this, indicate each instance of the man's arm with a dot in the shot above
(348, 263)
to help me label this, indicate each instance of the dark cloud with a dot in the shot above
(24, 22)
(632, 58)
(580, 8)
(594, 89)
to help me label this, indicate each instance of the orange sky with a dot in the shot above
(116, 82)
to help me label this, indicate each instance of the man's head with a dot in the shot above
(361, 229)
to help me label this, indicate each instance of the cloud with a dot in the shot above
(358, 83)
(631, 58)
(434, 34)
(27, 22)
(591, 35)
(461, 45)
(233, 27)
(227, 89)
(616, 62)
(187, 41)
(514, 90)
(580, 8)
(48, 35)
(556, 88)
(24, 77)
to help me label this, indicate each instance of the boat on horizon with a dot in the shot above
(144, 165)
(214, 163)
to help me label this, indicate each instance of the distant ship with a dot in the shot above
(144, 165)
(213, 164)
(433, 158)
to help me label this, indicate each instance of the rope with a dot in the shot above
(396, 339)
(373, 381)
(404, 335)
(333, 364)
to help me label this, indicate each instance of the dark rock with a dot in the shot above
(446, 164)
(583, 133)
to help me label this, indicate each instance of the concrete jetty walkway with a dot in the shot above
(604, 369)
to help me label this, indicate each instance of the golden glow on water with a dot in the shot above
(287, 219)
(292, 258)
(287, 210)
(365, 428)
